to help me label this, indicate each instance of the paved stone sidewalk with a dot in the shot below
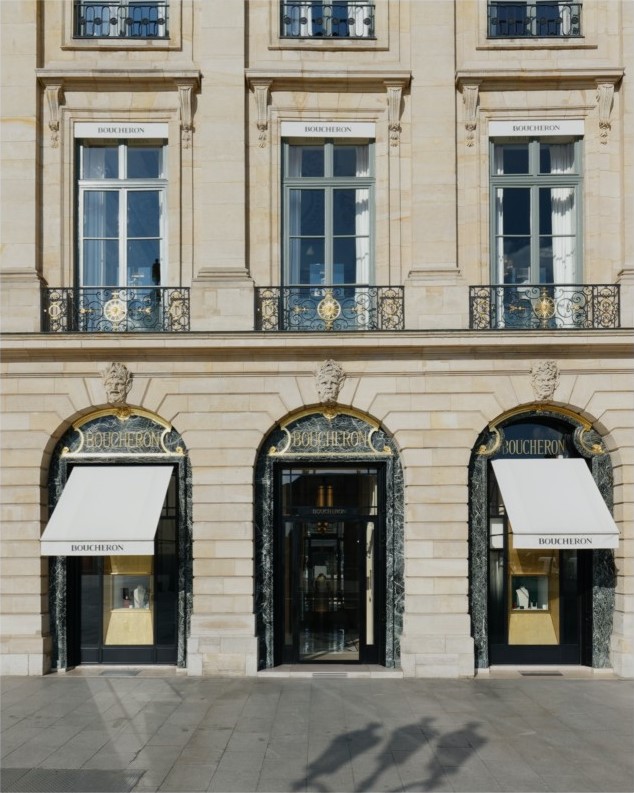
(120, 731)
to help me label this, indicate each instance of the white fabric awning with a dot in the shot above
(554, 504)
(106, 510)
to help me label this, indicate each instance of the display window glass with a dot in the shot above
(128, 606)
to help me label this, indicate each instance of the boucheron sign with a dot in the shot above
(118, 129)
(328, 129)
(532, 126)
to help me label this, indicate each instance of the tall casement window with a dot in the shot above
(121, 213)
(533, 18)
(135, 19)
(535, 211)
(319, 19)
(328, 209)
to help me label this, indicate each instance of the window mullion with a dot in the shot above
(328, 234)
(123, 237)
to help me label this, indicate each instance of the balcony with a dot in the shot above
(544, 307)
(133, 20)
(95, 309)
(329, 308)
(533, 20)
(327, 20)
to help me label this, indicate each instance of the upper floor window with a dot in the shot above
(535, 197)
(127, 19)
(328, 194)
(533, 18)
(322, 19)
(121, 223)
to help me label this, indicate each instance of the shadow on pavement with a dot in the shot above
(424, 757)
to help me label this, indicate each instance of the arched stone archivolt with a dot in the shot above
(318, 436)
(588, 444)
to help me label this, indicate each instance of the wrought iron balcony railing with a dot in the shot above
(314, 19)
(544, 307)
(131, 20)
(533, 19)
(329, 308)
(106, 309)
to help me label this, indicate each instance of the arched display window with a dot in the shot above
(119, 541)
(329, 542)
(541, 541)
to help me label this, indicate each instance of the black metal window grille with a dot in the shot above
(313, 19)
(128, 20)
(115, 310)
(329, 308)
(544, 307)
(533, 19)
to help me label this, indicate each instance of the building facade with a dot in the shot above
(316, 329)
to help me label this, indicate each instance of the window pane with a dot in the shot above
(306, 161)
(144, 162)
(101, 263)
(557, 158)
(350, 160)
(516, 216)
(101, 213)
(517, 260)
(142, 254)
(344, 269)
(511, 158)
(307, 261)
(548, 19)
(307, 212)
(100, 162)
(143, 213)
(344, 212)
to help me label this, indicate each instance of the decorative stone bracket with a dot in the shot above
(605, 100)
(261, 91)
(55, 98)
(185, 97)
(394, 97)
(470, 93)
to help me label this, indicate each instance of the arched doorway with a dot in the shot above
(329, 542)
(119, 541)
(541, 587)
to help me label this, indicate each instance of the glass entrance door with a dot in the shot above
(328, 589)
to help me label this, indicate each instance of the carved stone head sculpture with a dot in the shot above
(329, 379)
(544, 379)
(117, 381)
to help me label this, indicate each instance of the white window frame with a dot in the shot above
(328, 184)
(123, 186)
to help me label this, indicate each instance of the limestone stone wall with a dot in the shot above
(225, 405)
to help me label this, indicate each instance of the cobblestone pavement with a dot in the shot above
(118, 730)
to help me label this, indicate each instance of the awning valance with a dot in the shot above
(107, 510)
(554, 503)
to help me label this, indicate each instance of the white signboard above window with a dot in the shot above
(328, 129)
(117, 129)
(531, 126)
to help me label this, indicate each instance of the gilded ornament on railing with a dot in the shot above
(329, 309)
(115, 310)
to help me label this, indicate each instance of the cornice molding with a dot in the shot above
(57, 82)
(328, 78)
(533, 79)
(81, 78)
(523, 346)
